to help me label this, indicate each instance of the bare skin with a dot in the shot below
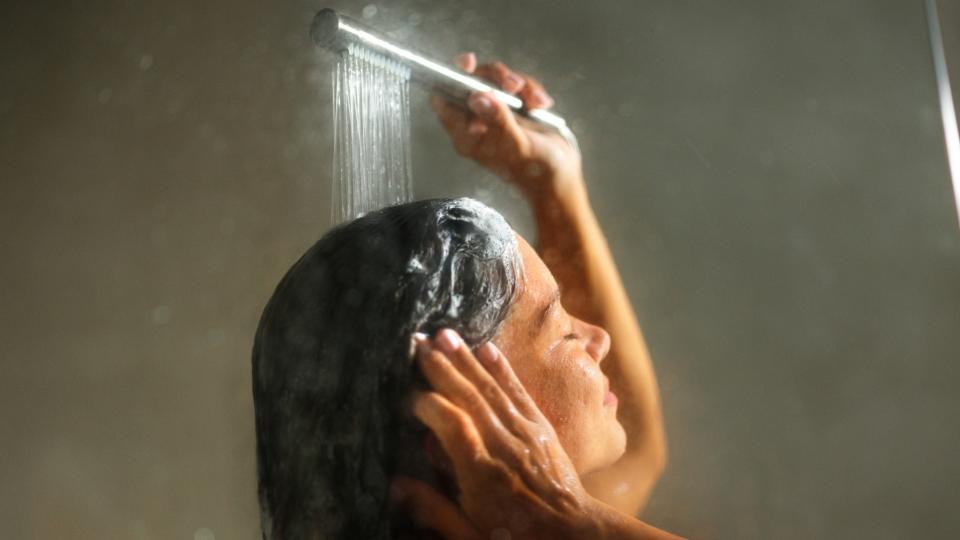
(535, 443)
(515, 478)
(549, 173)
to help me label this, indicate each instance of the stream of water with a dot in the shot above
(371, 157)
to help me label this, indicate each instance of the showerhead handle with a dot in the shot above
(336, 32)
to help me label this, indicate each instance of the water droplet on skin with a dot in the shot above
(369, 11)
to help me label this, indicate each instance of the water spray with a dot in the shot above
(340, 33)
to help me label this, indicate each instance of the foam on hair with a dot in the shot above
(331, 372)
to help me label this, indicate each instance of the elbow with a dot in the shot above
(649, 457)
(653, 463)
(660, 466)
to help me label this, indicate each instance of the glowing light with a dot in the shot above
(951, 134)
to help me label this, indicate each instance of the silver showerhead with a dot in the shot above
(337, 32)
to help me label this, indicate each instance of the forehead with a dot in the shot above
(538, 285)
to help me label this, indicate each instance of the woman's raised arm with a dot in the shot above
(548, 172)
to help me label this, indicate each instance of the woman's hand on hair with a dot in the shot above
(541, 163)
(430, 510)
(513, 475)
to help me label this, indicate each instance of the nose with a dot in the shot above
(598, 344)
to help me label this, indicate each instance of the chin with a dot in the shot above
(615, 445)
(618, 443)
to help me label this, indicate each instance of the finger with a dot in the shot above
(534, 95)
(452, 384)
(464, 128)
(457, 433)
(430, 510)
(499, 74)
(499, 368)
(497, 116)
(466, 61)
(467, 364)
(476, 127)
(453, 118)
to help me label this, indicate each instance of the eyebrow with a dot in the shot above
(554, 300)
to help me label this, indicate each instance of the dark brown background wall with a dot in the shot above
(771, 176)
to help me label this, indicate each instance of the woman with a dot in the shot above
(529, 439)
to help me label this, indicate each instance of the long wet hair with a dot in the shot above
(332, 369)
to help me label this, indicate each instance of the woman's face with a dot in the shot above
(557, 358)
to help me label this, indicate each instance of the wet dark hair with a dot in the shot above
(331, 358)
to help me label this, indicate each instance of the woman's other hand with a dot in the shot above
(541, 163)
(515, 479)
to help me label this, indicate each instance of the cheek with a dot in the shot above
(567, 391)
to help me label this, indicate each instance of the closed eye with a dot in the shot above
(571, 336)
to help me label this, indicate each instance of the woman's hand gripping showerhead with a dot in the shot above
(541, 163)
(514, 476)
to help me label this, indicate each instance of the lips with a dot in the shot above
(609, 398)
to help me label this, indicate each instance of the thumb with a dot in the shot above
(430, 510)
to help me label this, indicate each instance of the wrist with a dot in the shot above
(598, 522)
(605, 522)
(558, 194)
